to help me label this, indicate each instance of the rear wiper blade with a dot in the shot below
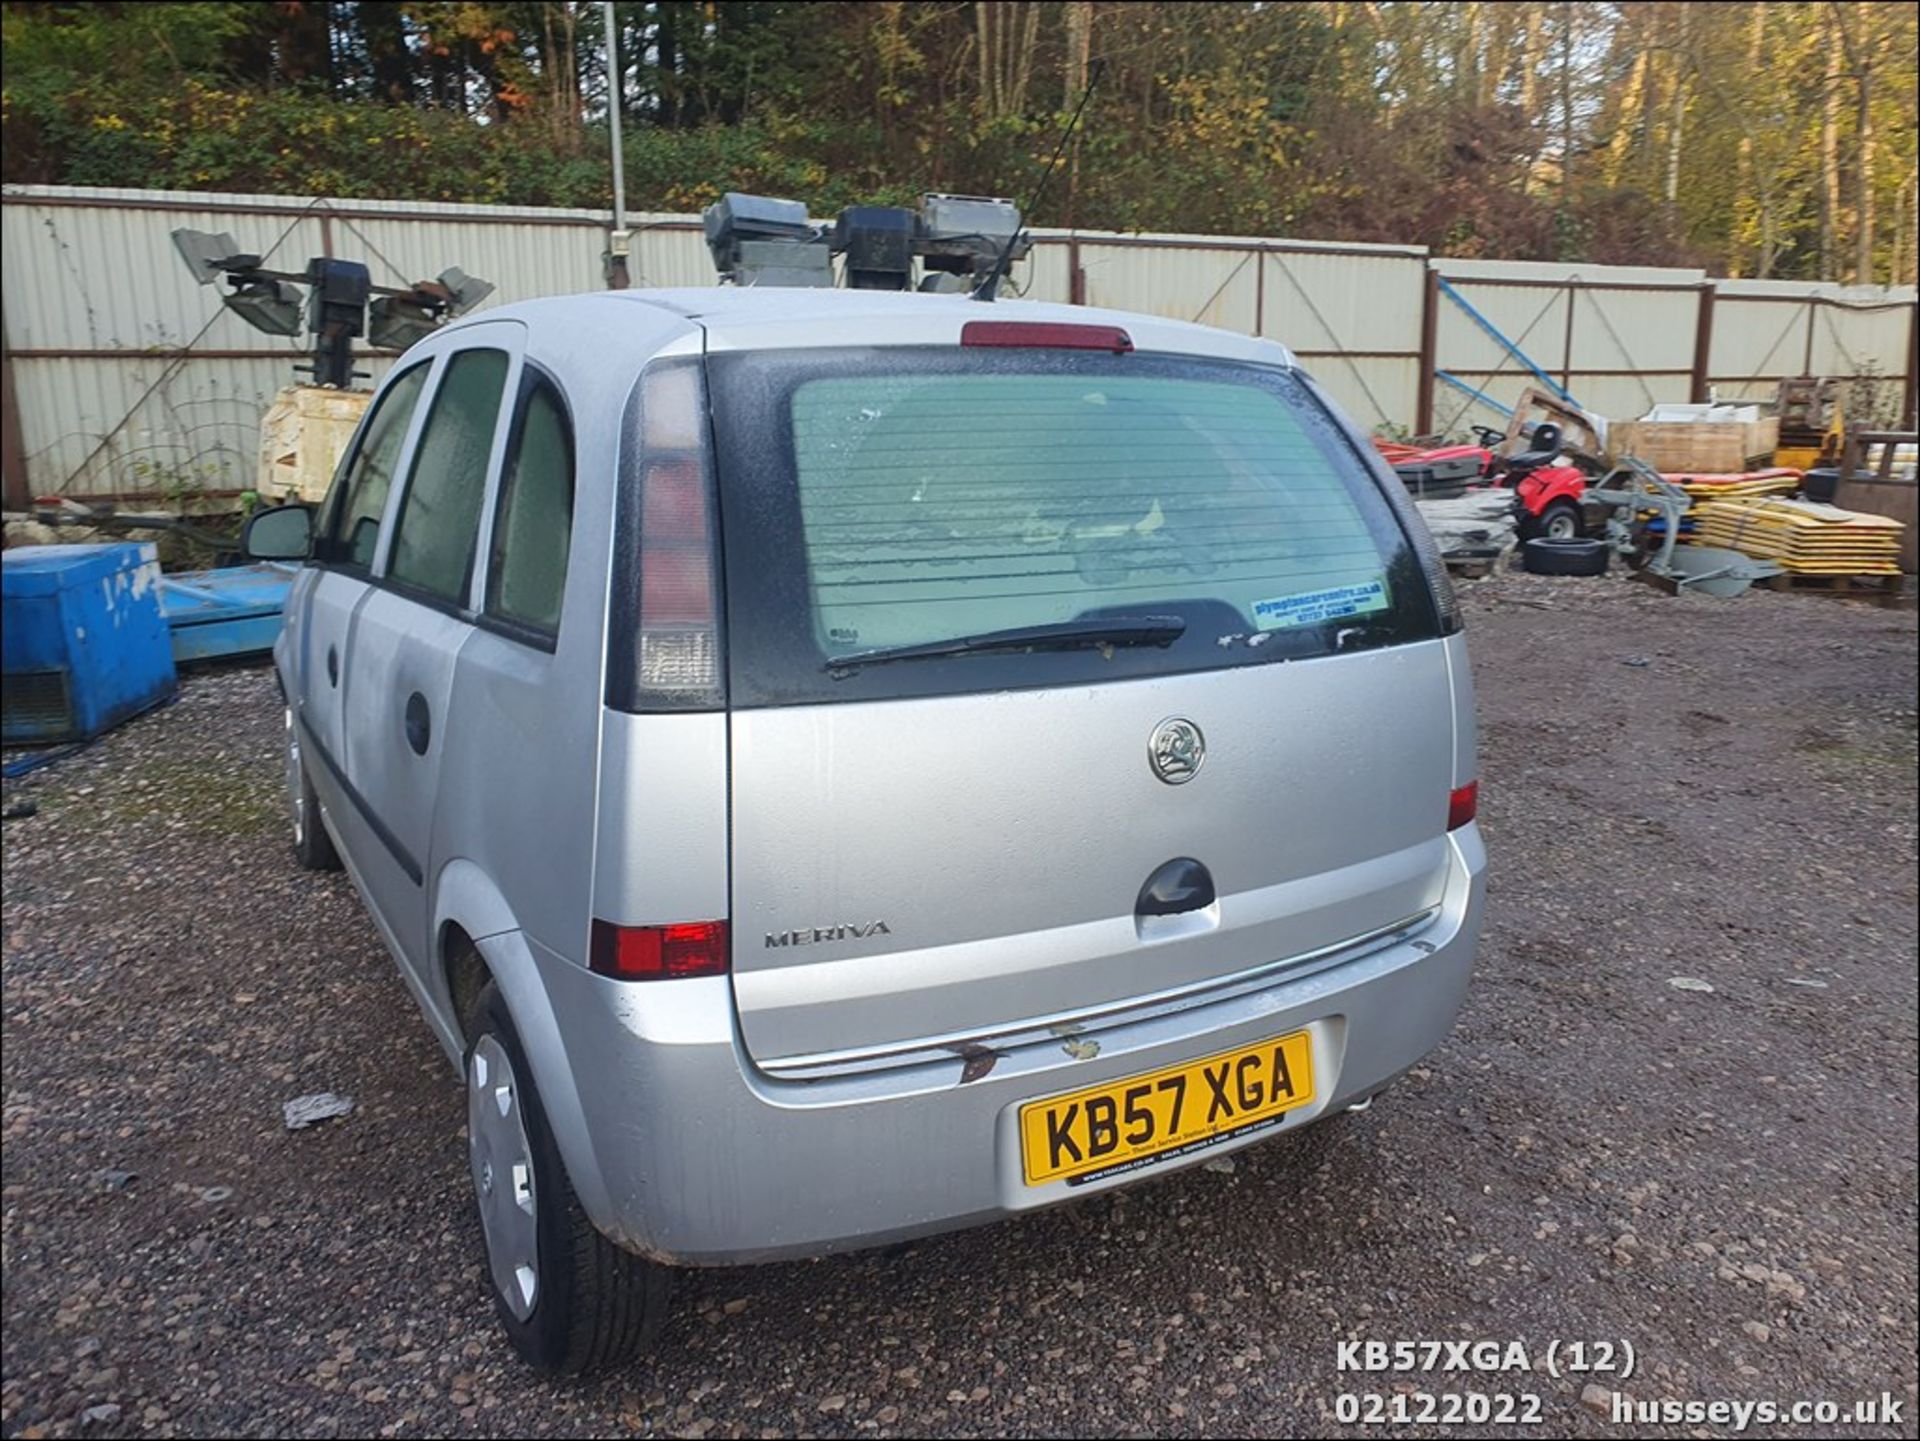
(1101, 632)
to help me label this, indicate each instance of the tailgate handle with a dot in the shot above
(1179, 886)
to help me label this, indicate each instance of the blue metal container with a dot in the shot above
(220, 614)
(84, 642)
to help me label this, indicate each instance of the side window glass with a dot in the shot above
(360, 495)
(528, 573)
(440, 513)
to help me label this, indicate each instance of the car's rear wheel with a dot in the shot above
(569, 1299)
(312, 846)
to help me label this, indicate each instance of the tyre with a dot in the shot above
(312, 846)
(1559, 521)
(1542, 556)
(570, 1300)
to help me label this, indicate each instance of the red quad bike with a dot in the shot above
(1549, 498)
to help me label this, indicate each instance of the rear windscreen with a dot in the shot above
(907, 498)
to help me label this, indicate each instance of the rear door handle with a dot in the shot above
(419, 723)
(333, 665)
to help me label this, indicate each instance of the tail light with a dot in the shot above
(664, 627)
(1462, 805)
(658, 953)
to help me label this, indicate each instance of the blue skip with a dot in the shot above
(218, 614)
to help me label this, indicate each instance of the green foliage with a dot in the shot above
(1647, 131)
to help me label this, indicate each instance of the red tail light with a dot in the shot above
(674, 502)
(1045, 335)
(676, 587)
(1462, 805)
(659, 953)
(677, 660)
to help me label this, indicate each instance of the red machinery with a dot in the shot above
(1550, 497)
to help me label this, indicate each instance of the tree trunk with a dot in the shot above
(1677, 107)
(1466, 59)
(1830, 159)
(1745, 202)
(1863, 219)
(983, 38)
(1566, 102)
(1023, 72)
(1633, 102)
(1897, 257)
(1078, 24)
(1533, 55)
(384, 28)
(306, 42)
(1079, 47)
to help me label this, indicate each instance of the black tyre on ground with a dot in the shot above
(312, 846)
(570, 1300)
(1542, 556)
(1559, 521)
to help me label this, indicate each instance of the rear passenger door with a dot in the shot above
(527, 687)
(408, 633)
(319, 614)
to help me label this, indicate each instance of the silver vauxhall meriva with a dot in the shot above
(836, 765)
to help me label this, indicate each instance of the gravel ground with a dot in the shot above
(1720, 791)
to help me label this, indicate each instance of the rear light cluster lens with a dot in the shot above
(659, 953)
(1463, 805)
(665, 629)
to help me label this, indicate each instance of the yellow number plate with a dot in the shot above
(1182, 1107)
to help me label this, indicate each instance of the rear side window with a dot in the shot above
(528, 573)
(875, 500)
(360, 495)
(440, 514)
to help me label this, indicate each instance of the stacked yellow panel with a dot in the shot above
(1780, 481)
(1805, 537)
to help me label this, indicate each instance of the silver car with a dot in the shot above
(834, 766)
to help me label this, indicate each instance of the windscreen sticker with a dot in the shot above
(1315, 606)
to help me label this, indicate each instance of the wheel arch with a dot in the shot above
(477, 940)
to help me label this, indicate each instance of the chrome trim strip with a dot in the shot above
(820, 1065)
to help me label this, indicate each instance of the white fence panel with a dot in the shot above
(125, 376)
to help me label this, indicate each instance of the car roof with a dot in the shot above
(782, 317)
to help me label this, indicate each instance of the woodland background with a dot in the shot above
(1769, 140)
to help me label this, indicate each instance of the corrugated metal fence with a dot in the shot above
(124, 377)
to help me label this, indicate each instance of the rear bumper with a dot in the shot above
(682, 1150)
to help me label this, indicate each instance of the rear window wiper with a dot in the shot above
(1104, 632)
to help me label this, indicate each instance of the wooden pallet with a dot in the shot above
(1883, 590)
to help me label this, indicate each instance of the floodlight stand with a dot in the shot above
(617, 242)
(333, 359)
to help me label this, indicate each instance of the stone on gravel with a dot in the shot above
(304, 1111)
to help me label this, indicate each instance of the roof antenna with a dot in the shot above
(990, 285)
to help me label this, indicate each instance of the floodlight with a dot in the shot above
(464, 291)
(394, 322)
(736, 220)
(207, 256)
(269, 305)
(878, 243)
(963, 234)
